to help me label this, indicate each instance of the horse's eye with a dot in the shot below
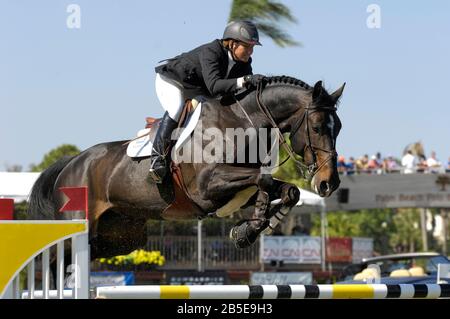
(316, 129)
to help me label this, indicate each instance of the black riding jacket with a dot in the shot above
(203, 70)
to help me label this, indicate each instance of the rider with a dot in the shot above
(213, 69)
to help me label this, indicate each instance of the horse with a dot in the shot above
(416, 149)
(122, 199)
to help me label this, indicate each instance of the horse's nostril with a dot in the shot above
(324, 187)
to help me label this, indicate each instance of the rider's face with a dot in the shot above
(242, 51)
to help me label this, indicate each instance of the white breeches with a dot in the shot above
(170, 96)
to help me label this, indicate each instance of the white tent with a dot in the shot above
(310, 199)
(307, 198)
(17, 185)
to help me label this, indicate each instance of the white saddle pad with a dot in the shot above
(142, 147)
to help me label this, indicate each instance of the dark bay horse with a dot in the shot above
(121, 199)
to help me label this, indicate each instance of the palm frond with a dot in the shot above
(280, 37)
(267, 15)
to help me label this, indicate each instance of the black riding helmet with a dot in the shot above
(244, 31)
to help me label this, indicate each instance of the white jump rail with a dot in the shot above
(362, 291)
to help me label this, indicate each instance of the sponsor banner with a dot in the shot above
(291, 249)
(339, 249)
(111, 278)
(196, 278)
(281, 278)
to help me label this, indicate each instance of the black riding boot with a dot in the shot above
(161, 148)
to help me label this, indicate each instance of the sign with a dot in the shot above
(78, 199)
(281, 278)
(196, 278)
(339, 249)
(291, 249)
(6, 208)
(111, 278)
(392, 190)
(361, 248)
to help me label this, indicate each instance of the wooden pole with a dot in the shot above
(444, 216)
(423, 227)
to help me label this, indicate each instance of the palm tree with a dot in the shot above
(266, 15)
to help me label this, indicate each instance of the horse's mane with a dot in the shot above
(325, 98)
(283, 79)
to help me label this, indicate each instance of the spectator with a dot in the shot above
(351, 165)
(422, 165)
(390, 164)
(379, 162)
(361, 163)
(341, 165)
(434, 166)
(409, 162)
(373, 163)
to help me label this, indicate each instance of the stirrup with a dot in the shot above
(152, 172)
(155, 177)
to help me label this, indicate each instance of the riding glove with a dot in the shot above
(253, 80)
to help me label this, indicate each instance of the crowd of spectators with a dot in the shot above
(407, 164)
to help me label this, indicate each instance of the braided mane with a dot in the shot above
(325, 98)
(283, 79)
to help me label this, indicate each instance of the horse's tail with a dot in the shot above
(41, 202)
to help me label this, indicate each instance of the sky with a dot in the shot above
(95, 83)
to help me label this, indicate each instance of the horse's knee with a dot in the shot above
(265, 181)
(290, 194)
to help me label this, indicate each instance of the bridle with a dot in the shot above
(313, 168)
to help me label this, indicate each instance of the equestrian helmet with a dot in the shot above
(244, 31)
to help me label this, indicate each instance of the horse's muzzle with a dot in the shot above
(325, 188)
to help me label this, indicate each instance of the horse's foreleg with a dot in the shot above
(225, 180)
(246, 232)
(289, 195)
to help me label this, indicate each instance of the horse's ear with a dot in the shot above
(337, 94)
(317, 91)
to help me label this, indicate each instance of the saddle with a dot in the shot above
(182, 205)
(188, 108)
